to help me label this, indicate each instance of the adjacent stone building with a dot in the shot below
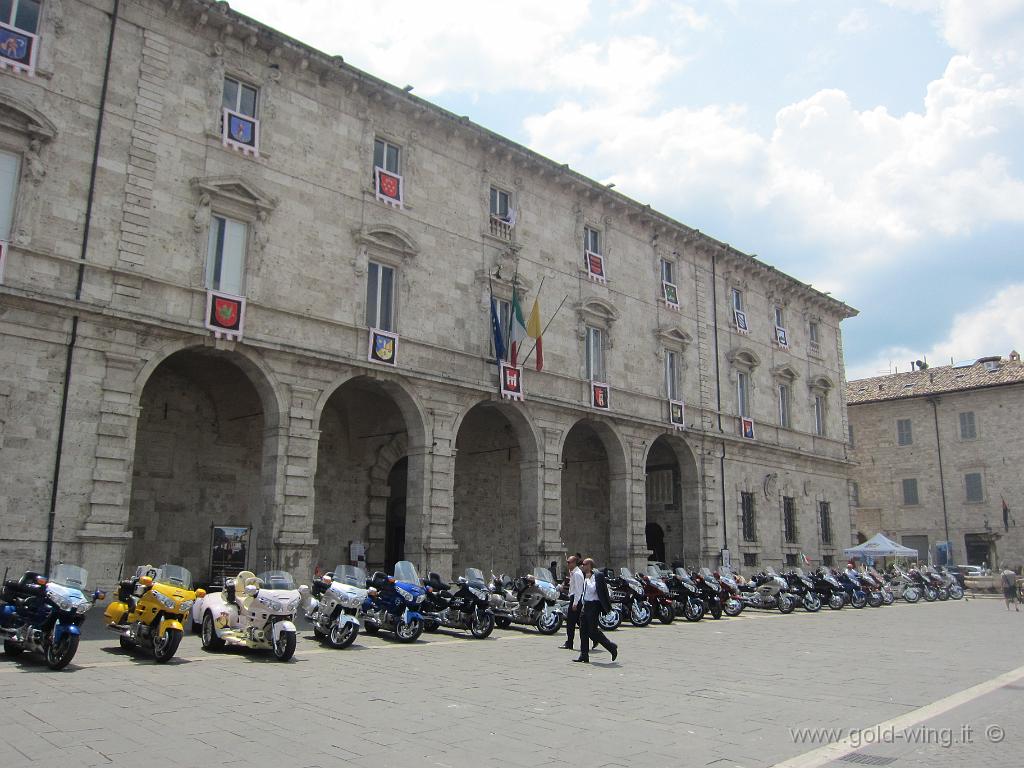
(247, 286)
(937, 452)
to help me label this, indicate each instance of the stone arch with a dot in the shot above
(673, 498)
(497, 488)
(397, 388)
(388, 456)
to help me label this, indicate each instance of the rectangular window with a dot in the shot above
(9, 168)
(595, 354)
(825, 512)
(828, 560)
(789, 519)
(967, 429)
(972, 483)
(380, 296)
(791, 559)
(743, 393)
(750, 559)
(23, 15)
(737, 300)
(239, 97)
(784, 406)
(780, 320)
(854, 494)
(819, 415)
(591, 240)
(904, 433)
(225, 261)
(668, 270)
(386, 156)
(815, 340)
(672, 374)
(910, 492)
(500, 200)
(749, 521)
(19, 26)
(504, 318)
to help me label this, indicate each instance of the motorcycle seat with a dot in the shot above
(435, 582)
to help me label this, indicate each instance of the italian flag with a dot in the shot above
(517, 333)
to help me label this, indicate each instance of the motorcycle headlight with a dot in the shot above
(185, 605)
(164, 600)
(420, 598)
(273, 606)
(293, 604)
(82, 607)
(63, 602)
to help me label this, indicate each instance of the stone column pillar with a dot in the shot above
(629, 492)
(104, 535)
(439, 475)
(550, 545)
(295, 497)
(531, 506)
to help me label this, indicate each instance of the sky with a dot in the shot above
(873, 148)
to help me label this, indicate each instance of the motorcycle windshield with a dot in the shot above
(543, 574)
(352, 575)
(770, 571)
(175, 575)
(70, 576)
(406, 571)
(475, 578)
(625, 573)
(654, 571)
(276, 580)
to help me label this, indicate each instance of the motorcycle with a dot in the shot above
(629, 597)
(877, 584)
(151, 609)
(686, 596)
(952, 583)
(525, 601)
(902, 585)
(252, 612)
(656, 593)
(466, 608)
(768, 590)
(333, 605)
(924, 585)
(393, 603)
(711, 591)
(829, 590)
(802, 588)
(854, 595)
(43, 615)
(730, 594)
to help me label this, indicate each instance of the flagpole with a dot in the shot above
(550, 320)
(511, 317)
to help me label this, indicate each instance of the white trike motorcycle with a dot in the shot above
(334, 605)
(251, 611)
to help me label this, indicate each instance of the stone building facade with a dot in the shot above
(207, 220)
(937, 452)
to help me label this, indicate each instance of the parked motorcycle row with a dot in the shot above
(153, 608)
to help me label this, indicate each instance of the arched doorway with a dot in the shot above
(673, 500)
(655, 541)
(366, 480)
(594, 498)
(495, 502)
(203, 449)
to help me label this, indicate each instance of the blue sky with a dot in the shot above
(874, 148)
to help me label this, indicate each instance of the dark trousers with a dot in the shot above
(590, 630)
(572, 618)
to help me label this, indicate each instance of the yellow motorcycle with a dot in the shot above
(151, 607)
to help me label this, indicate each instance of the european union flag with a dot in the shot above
(499, 341)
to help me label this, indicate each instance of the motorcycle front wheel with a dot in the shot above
(693, 610)
(343, 635)
(165, 646)
(836, 602)
(408, 631)
(858, 602)
(874, 599)
(640, 614)
(59, 654)
(733, 607)
(209, 637)
(125, 643)
(481, 625)
(786, 604)
(943, 594)
(930, 595)
(609, 621)
(666, 613)
(956, 592)
(715, 609)
(549, 623)
(503, 622)
(911, 595)
(284, 648)
(812, 603)
(888, 598)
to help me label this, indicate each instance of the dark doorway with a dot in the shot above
(977, 549)
(394, 535)
(655, 542)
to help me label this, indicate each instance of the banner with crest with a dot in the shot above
(225, 315)
(383, 347)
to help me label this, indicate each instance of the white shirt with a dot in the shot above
(590, 589)
(575, 585)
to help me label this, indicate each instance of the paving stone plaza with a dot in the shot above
(735, 692)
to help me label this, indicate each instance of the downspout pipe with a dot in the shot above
(73, 340)
(718, 392)
(942, 481)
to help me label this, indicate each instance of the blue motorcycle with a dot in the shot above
(393, 603)
(855, 596)
(43, 615)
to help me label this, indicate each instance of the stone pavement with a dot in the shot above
(725, 693)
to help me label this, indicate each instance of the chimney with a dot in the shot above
(1014, 356)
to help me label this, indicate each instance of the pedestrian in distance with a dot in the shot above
(1010, 587)
(595, 602)
(575, 612)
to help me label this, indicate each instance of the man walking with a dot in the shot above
(595, 601)
(575, 601)
(1010, 587)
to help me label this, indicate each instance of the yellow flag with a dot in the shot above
(533, 328)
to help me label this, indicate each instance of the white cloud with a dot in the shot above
(854, 22)
(992, 329)
(687, 16)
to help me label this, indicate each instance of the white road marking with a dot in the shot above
(838, 749)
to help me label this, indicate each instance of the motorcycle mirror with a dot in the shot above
(41, 581)
(146, 581)
(303, 588)
(200, 592)
(327, 580)
(251, 589)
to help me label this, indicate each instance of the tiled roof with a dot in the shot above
(986, 372)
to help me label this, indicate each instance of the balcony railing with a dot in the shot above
(815, 348)
(501, 228)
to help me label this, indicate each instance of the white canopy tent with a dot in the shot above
(879, 545)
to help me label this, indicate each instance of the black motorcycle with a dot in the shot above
(828, 589)
(466, 607)
(710, 591)
(802, 588)
(688, 596)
